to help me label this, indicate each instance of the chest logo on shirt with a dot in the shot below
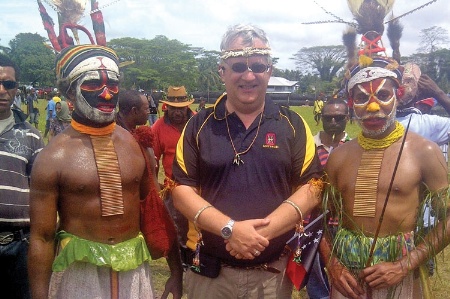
(271, 141)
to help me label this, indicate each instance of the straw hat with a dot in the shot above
(177, 97)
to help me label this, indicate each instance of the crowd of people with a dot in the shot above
(240, 179)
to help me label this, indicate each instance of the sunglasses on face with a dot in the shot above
(258, 68)
(9, 84)
(337, 118)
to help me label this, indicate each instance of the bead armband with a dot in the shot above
(299, 231)
(196, 259)
(198, 215)
(296, 207)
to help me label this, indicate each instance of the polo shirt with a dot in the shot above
(19, 146)
(282, 157)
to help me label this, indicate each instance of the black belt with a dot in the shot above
(263, 267)
(187, 255)
(7, 237)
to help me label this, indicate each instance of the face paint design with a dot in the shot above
(410, 81)
(374, 106)
(97, 96)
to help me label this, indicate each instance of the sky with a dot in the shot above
(202, 23)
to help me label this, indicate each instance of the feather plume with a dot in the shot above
(394, 33)
(369, 14)
(349, 40)
(71, 11)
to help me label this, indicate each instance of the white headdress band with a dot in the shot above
(368, 74)
(246, 52)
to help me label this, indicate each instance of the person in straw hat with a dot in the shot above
(167, 131)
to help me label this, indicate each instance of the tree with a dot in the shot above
(324, 61)
(432, 38)
(34, 59)
(209, 79)
(161, 62)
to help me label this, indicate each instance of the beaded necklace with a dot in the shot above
(237, 160)
(369, 143)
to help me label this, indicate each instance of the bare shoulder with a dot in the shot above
(421, 145)
(344, 151)
(63, 145)
(430, 161)
(342, 156)
(123, 138)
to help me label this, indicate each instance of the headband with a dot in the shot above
(369, 74)
(246, 52)
(76, 60)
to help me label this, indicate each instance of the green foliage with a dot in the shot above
(324, 61)
(158, 62)
(35, 60)
(209, 79)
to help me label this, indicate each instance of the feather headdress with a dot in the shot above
(369, 15)
(70, 12)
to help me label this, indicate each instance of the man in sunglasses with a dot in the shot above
(19, 145)
(245, 171)
(335, 116)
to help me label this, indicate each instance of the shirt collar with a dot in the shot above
(271, 110)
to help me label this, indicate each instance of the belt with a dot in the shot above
(8, 237)
(263, 267)
(187, 255)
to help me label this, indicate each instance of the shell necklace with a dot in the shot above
(237, 160)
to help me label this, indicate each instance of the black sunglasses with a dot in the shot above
(337, 118)
(241, 67)
(8, 84)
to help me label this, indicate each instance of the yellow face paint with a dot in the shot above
(373, 107)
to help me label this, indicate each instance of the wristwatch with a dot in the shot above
(227, 229)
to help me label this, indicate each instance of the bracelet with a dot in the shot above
(198, 215)
(296, 207)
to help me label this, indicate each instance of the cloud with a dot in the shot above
(202, 23)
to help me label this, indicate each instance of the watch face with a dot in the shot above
(226, 232)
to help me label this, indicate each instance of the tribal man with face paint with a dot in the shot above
(360, 173)
(93, 177)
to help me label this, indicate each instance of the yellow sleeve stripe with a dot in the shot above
(179, 153)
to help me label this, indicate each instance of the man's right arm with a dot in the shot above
(43, 208)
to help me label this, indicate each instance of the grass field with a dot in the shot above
(440, 283)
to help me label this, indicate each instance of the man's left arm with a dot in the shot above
(298, 205)
(307, 172)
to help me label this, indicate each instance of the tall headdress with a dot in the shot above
(70, 13)
(369, 60)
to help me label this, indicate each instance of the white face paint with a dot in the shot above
(390, 119)
(375, 106)
(90, 91)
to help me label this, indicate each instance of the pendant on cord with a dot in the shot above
(237, 160)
